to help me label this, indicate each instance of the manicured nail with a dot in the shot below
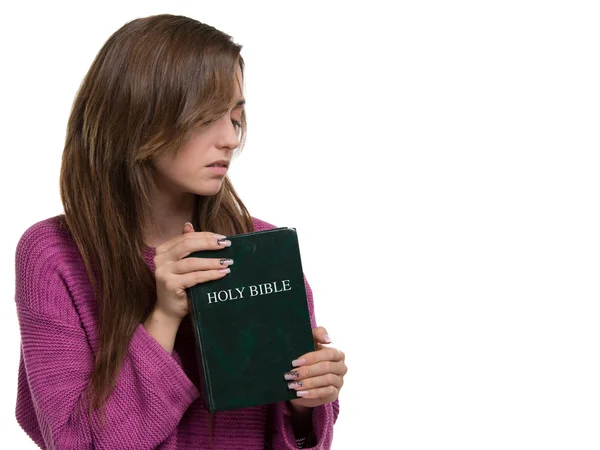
(219, 236)
(224, 242)
(227, 270)
(327, 339)
(298, 362)
(301, 393)
(295, 384)
(291, 375)
(188, 223)
(226, 262)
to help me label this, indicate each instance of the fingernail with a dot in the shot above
(219, 236)
(224, 242)
(327, 339)
(226, 262)
(188, 223)
(295, 384)
(227, 270)
(301, 393)
(291, 375)
(298, 362)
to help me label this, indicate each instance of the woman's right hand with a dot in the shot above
(174, 274)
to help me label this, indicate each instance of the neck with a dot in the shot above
(169, 214)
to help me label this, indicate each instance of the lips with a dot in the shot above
(220, 163)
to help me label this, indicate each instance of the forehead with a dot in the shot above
(239, 84)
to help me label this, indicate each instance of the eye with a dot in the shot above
(236, 123)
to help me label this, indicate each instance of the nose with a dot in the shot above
(228, 134)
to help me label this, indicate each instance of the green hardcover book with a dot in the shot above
(251, 324)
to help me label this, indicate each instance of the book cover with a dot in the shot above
(251, 324)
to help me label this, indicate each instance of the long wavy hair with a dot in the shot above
(155, 81)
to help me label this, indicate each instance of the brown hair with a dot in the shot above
(154, 81)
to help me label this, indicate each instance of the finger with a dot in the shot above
(324, 354)
(320, 368)
(187, 229)
(320, 335)
(315, 382)
(191, 242)
(187, 265)
(179, 283)
(167, 245)
(325, 394)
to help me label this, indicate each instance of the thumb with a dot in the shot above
(188, 228)
(320, 335)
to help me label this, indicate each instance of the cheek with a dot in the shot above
(189, 162)
(172, 171)
(183, 171)
(185, 161)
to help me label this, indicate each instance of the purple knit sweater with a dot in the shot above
(156, 402)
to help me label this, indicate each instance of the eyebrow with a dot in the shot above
(241, 102)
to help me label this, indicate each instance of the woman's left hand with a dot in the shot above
(318, 376)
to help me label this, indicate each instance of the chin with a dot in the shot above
(209, 189)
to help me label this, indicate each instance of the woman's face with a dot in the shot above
(189, 171)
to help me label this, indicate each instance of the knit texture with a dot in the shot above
(156, 402)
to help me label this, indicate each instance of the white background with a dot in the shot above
(440, 161)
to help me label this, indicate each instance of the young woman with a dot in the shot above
(107, 354)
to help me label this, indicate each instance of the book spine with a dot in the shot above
(207, 398)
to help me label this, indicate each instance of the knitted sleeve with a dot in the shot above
(152, 391)
(323, 416)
